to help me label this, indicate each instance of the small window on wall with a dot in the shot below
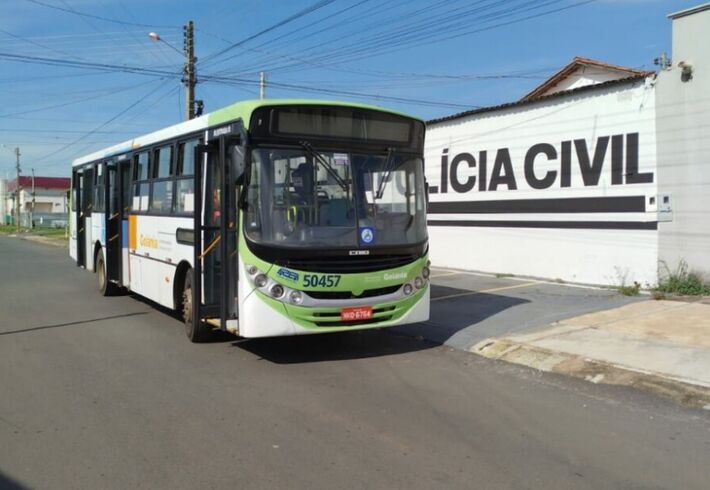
(185, 196)
(141, 194)
(162, 199)
(161, 162)
(186, 157)
(141, 161)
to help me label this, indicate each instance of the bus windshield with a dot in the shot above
(304, 198)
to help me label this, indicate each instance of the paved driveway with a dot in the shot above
(469, 307)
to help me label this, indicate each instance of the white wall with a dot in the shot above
(3, 203)
(488, 228)
(55, 199)
(585, 76)
(684, 146)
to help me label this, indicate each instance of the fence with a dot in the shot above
(43, 220)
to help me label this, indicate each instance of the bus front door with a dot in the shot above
(113, 223)
(80, 221)
(216, 234)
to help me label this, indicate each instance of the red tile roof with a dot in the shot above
(40, 183)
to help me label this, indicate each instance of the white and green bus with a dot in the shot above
(264, 218)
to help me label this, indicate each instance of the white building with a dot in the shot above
(683, 126)
(50, 196)
(594, 177)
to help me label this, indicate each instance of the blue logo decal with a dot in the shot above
(367, 235)
(287, 274)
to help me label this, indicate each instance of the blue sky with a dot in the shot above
(428, 58)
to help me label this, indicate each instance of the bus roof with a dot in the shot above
(239, 110)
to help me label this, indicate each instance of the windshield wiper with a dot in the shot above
(387, 169)
(324, 163)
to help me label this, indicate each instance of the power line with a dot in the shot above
(102, 125)
(220, 79)
(99, 17)
(59, 131)
(375, 11)
(431, 28)
(35, 43)
(312, 8)
(436, 34)
(74, 101)
(427, 27)
(87, 65)
(361, 95)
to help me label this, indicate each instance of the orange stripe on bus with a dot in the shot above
(132, 232)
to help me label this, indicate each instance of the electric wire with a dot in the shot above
(99, 17)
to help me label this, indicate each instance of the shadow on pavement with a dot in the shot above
(448, 316)
(7, 483)
(339, 346)
(463, 310)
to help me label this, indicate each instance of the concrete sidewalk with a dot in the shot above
(659, 346)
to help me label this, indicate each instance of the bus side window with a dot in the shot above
(99, 195)
(140, 166)
(141, 188)
(184, 202)
(161, 162)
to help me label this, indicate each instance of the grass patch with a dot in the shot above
(624, 288)
(681, 282)
(500, 275)
(58, 233)
(7, 229)
(50, 232)
(631, 290)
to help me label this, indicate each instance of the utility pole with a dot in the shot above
(189, 79)
(262, 85)
(18, 189)
(32, 214)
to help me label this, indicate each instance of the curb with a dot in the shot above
(594, 371)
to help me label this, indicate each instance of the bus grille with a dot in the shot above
(368, 293)
(347, 265)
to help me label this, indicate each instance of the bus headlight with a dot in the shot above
(408, 289)
(261, 280)
(418, 282)
(296, 297)
(252, 270)
(277, 290)
(425, 272)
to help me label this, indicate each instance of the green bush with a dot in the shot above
(632, 290)
(682, 282)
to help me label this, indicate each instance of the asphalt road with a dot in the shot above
(107, 393)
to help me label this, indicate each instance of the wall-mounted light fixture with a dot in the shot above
(686, 73)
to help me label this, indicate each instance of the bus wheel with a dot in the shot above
(195, 332)
(106, 287)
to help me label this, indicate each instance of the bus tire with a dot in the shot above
(106, 287)
(195, 332)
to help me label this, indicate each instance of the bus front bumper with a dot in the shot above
(262, 316)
